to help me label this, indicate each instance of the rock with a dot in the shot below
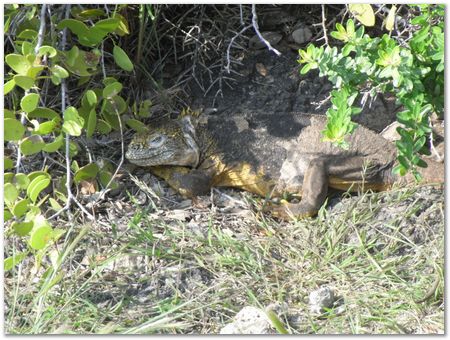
(302, 35)
(249, 320)
(390, 132)
(272, 37)
(320, 299)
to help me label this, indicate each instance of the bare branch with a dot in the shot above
(258, 33)
(41, 32)
(227, 68)
(122, 158)
(324, 27)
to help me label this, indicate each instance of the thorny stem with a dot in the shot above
(258, 33)
(122, 145)
(342, 14)
(103, 62)
(241, 14)
(324, 26)
(70, 196)
(227, 68)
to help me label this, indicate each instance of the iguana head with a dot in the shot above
(171, 142)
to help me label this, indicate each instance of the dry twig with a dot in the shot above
(258, 33)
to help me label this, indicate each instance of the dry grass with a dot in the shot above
(190, 270)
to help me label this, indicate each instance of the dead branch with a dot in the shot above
(258, 33)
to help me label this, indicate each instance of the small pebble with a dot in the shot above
(320, 299)
(302, 35)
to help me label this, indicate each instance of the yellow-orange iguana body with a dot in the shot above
(269, 155)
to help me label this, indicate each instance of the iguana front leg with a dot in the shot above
(188, 182)
(314, 193)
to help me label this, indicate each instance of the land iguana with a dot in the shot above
(269, 155)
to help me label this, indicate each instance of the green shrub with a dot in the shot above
(410, 68)
(44, 53)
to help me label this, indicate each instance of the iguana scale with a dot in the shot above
(269, 155)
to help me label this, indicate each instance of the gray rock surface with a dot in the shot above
(250, 320)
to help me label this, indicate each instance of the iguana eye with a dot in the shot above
(156, 141)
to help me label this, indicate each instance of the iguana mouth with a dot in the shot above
(146, 159)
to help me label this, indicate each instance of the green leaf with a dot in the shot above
(7, 215)
(34, 71)
(105, 177)
(22, 228)
(420, 162)
(305, 69)
(55, 79)
(121, 59)
(73, 148)
(90, 129)
(115, 105)
(18, 63)
(21, 180)
(347, 49)
(29, 102)
(350, 28)
(8, 177)
(27, 48)
(8, 86)
(28, 34)
(31, 145)
(8, 163)
(90, 14)
(89, 99)
(76, 61)
(32, 175)
(10, 193)
(8, 114)
(59, 71)
(136, 125)
(144, 108)
(41, 235)
(54, 204)
(46, 127)
(108, 81)
(36, 186)
(123, 28)
(49, 50)
(73, 122)
(107, 25)
(112, 89)
(276, 322)
(363, 13)
(390, 20)
(21, 208)
(340, 28)
(44, 112)
(339, 36)
(14, 129)
(86, 172)
(77, 27)
(55, 145)
(103, 127)
(386, 72)
(12, 261)
(24, 82)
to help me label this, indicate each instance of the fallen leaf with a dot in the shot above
(262, 70)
